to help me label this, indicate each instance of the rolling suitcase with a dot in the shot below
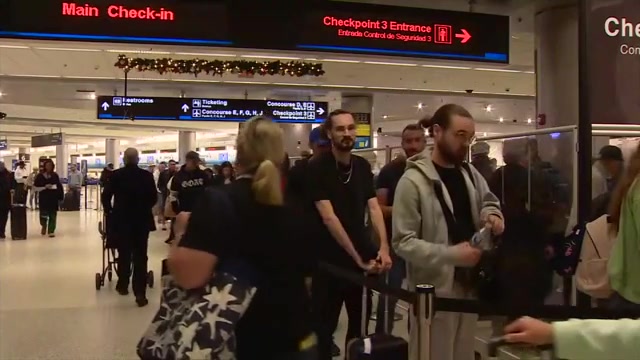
(18, 222)
(376, 346)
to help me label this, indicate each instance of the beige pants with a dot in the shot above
(452, 336)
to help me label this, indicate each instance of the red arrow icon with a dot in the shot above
(465, 36)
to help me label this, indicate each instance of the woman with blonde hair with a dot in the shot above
(262, 233)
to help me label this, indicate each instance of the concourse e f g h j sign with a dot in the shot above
(205, 109)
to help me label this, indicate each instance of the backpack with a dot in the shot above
(592, 276)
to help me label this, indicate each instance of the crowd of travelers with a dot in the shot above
(260, 227)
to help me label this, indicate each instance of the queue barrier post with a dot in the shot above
(423, 314)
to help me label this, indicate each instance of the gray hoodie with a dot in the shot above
(420, 233)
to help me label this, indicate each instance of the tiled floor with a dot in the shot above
(49, 308)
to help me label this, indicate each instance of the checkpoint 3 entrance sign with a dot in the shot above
(203, 109)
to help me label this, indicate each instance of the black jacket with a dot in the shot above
(134, 194)
(163, 181)
(5, 189)
(49, 198)
(189, 186)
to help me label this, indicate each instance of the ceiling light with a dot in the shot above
(257, 56)
(203, 54)
(67, 49)
(447, 67)
(529, 121)
(498, 70)
(488, 108)
(341, 61)
(388, 63)
(1, 94)
(385, 88)
(385, 116)
(484, 134)
(420, 106)
(501, 119)
(92, 96)
(139, 52)
(14, 47)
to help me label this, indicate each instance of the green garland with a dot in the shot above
(219, 67)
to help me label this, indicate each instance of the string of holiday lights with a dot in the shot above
(220, 67)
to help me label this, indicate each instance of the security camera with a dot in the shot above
(469, 91)
(507, 89)
(379, 131)
(3, 115)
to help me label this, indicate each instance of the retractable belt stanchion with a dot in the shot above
(423, 314)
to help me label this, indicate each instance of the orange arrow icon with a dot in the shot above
(465, 36)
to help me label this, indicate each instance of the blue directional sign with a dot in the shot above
(203, 109)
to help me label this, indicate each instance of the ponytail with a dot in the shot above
(266, 184)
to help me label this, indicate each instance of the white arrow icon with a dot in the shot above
(185, 107)
(104, 106)
(320, 111)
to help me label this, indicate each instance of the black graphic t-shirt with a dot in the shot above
(190, 186)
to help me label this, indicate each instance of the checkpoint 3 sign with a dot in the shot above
(384, 30)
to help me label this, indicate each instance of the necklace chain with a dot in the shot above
(349, 173)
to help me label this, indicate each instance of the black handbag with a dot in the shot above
(484, 274)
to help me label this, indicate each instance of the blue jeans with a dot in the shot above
(396, 276)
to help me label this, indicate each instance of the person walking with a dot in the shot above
(134, 194)
(21, 174)
(163, 186)
(48, 184)
(33, 194)
(5, 199)
(74, 184)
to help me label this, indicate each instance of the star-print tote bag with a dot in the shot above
(197, 324)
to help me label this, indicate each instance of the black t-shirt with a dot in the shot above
(388, 178)
(348, 188)
(190, 186)
(264, 237)
(453, 180)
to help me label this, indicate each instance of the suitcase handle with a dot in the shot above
(496, 343)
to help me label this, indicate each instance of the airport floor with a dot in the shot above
(49, 307)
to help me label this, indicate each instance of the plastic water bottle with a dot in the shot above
(482, 239)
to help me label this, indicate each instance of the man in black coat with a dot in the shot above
(130, 219)
(5, 198)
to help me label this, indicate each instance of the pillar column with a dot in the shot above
(334, 98)
(62, 158)
(112, 152)
(186, 143)
(296, 138)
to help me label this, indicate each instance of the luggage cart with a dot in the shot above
(110, 258)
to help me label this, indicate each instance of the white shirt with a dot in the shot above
(21, 175)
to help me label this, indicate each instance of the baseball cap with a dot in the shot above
(480, 148)
(192, 155)
(610, 152)
(316, 137)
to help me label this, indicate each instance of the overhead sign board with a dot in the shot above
(120, 20)
(4, 144)
(330, 26)
(205, 109)
(612, 53)
(364, 136)
(384, 30)
(47, 140)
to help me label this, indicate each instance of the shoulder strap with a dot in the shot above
(446, 211)
(465, 166)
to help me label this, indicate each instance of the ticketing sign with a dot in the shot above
(162, 21)
(384, 30)
(205, 109)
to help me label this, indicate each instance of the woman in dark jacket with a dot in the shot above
(51, 193)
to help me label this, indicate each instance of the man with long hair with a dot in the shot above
(439, 253)
(341, 187)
